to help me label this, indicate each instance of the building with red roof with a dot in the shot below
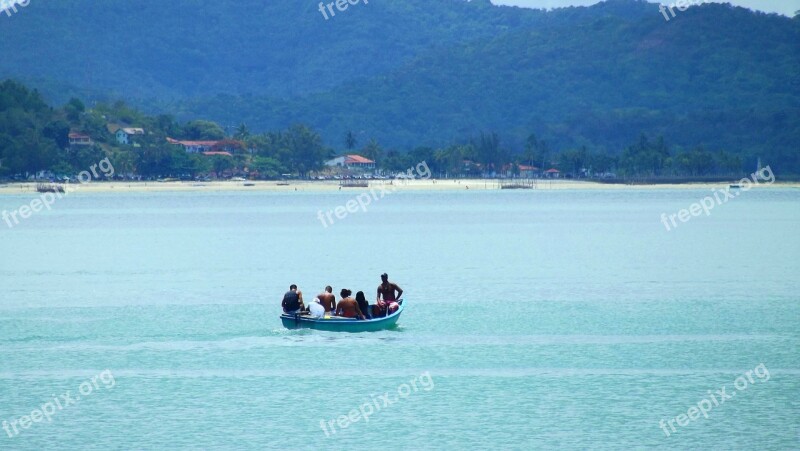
(552, 173)
(351, 162)
(527, 171)
(79, 139)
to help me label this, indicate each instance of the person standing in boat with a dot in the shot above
(348, 307)
(293, 301)
(328, 300)
(390, 293)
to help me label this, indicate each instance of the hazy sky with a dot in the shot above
(786, 7)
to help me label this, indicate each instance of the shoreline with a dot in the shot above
(333, 186)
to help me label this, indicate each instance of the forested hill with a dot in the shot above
(179, 48)
(430, 71)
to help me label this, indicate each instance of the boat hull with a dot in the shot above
(339, 324)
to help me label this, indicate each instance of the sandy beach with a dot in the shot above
(329, 186)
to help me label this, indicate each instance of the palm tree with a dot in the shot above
(242, 133)
(373, 150)
(350, 140)
(305, 149)
(451, 158)
(489, 153)
(531, 147)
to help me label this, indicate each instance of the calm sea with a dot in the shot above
(535, 320)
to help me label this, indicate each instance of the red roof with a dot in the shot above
(75, 135)
(524, 167)
(192, 143)
(227, 154)
(357, 159)
(552, 171)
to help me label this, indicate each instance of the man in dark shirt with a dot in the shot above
(293, 301)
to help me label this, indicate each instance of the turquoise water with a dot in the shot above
(535, 320)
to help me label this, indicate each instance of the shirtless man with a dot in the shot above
(387, 290)
(348, 307)
(328, 300)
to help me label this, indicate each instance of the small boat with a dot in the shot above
(341, 324)
(49, 188)
(735, 186)
(354, 183)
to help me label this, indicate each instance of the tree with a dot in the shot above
(600, 163)
(451, 158)
(155, 160)
(83, 158)
(58, 131)
(305, 150)
(350, 140)
(263, 144)
(425, 155)
(395, 161)
(644, 157)
(728, 163)
(74, 108)
(95, 126)
(220, 163)
(242, 132)
(29, 152)
(166, 124)
(531, 150)
(121, 112)
(124, 162)
(203, 131)
(373, 151)
(267, 168)
(695, 162)
(573, 161)
(490, 154)
(544, 154)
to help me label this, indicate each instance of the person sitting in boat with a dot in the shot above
(363, 305)
(315, 309)
(327, 299)
(387, 290)
(293, 301)
(348, 307)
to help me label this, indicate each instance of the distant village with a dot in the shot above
(347, 166)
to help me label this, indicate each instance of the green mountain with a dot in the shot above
(430, 72)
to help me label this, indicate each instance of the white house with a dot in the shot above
(194, 146)
(351, 162)
(79, 139)
(125, 135)
(527, 171)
